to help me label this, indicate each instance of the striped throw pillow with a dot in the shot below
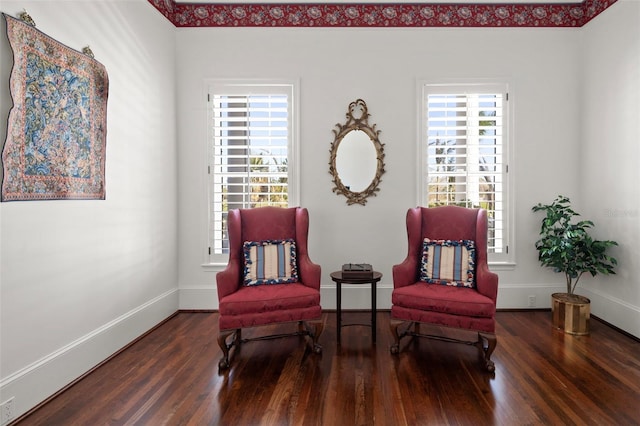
(448, 262)
(270, 262)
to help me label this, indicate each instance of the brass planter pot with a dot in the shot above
(571, 313)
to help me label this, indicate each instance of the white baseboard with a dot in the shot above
(35, 383)
(359, 297)
(616, 312)
(356, 297)
(353, 297)
(518, 296)
(198, 298)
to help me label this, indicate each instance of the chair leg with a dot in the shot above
(394, 325)
(223, 364)
(486, 351)
(313, 330)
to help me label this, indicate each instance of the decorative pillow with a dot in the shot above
(448, 262)
(270, 262)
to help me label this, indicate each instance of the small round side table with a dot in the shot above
(339, 280)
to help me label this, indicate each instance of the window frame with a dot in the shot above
(475, 86)
(249, 87)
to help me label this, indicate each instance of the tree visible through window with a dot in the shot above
(464, 160)
(251, 136)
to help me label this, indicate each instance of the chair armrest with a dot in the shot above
(487, 282)
(228, 280)
(310, 273)
(405, 273)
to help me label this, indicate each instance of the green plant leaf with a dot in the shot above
(567, 247)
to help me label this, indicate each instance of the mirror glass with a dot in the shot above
(356, 161)
(357, 156)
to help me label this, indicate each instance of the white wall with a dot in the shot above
(610, 147)
(337, 66)
(81, 279)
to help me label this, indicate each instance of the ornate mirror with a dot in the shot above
(357, 156)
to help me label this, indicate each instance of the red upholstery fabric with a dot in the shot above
(458, 307)
(269, 297)
(268, 223)
(439, 318)
(242, 306)
(442, 298)
(271, 317)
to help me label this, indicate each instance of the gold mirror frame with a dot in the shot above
(357, 119)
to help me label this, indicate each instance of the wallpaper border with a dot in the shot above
(383, 15)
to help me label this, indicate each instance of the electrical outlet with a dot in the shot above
(532, 301)
(6, 411)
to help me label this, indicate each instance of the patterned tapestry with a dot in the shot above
(56, 133)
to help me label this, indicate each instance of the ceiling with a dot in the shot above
(374, 14)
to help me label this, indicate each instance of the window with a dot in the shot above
(251, 155)
(464, 154)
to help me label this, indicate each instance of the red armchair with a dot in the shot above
(417, 299)
(241, 305)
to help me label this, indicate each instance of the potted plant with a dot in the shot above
(566, 246)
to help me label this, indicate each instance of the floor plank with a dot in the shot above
(170, 377)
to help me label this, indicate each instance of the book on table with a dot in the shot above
(357, 270)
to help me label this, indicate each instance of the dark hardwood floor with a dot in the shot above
(543, 377)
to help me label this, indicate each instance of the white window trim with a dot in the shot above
(504, 261)
(216, 262)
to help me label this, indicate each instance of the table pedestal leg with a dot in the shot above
(339, 307)
(373, 311)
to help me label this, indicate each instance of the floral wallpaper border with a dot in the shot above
(381, 15)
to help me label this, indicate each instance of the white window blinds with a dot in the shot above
(249, 164)
(465, 156)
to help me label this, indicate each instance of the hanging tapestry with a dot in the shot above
(56, 133)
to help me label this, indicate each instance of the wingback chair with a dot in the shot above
(444, 280)
(269, 278)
